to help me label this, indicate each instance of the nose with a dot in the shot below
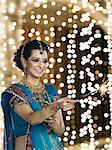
(41, 64)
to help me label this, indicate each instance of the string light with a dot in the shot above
(9, 42)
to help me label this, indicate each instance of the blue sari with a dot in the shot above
(15, 126)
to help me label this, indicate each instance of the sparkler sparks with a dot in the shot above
(103, 89)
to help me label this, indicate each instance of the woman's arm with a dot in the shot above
(57, 123)
(25, 111)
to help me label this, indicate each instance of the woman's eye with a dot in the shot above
(45, 61)
(35, 60)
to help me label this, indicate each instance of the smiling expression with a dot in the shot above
(37, 64)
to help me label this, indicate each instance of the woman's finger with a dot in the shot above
(68, 100)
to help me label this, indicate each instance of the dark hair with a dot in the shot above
(26, 50)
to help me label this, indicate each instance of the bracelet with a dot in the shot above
(58, 101)
(54, 107)
(44, 114)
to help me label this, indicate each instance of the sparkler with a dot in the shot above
(103, 89)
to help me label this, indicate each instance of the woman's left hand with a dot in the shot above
(50, 119)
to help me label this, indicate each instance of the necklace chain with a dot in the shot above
(38, 91)
(34, 88)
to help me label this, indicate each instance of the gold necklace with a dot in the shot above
(33, 88)
(38, 91)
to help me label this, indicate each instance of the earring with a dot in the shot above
(25, 70)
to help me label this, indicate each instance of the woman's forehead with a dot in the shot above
(38, 53)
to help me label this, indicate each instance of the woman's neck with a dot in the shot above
(33, 81)
(33, 84)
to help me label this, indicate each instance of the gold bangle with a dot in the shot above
(54, 107)
(43, 114)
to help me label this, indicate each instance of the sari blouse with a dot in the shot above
(15, 126)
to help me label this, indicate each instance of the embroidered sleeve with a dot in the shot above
(16, 101)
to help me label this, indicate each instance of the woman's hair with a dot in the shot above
(26, 49)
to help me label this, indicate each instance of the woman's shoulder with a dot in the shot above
(50, 86)
(13, 89)
(51, 89)
(10, 87)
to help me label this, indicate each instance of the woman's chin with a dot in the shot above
(38, 76)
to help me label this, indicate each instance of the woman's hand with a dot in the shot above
(66, 103)
(56, 123)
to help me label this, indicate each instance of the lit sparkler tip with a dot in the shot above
(103, 88)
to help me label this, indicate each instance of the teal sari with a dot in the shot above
(15, 126)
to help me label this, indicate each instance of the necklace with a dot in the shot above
(38, 91)
(33, 88)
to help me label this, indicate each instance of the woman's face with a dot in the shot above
(37, 63)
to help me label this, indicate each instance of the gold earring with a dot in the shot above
(25, 70)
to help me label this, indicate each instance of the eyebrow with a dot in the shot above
(38, 58)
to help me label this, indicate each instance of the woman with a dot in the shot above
(32, 110)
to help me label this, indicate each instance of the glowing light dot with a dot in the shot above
(37, 33)
(30, 34)
(52, 19)
(47, 70)
(59, 60)
(65, 139)
(32, 30)
(14, 77)
(61, 69)
(44, 6)
(45, 21)
(38, 38)
(58, 13)
(45, 16)
(60, 54)
(65, 133)
(63, 24)
(52, 34)
(37, 21)
(52, 81)
(53, 3)
(52, 60)
(52, 29)
(58, 76)
(64, 8)
(67, 118)
(52, 44)
(59, 91)
(32, 17)
(38, 16)
(68, 128)
(58, 44)
(61, 84)
(47, 38)
(71, 142)
(45, 81)
(70, 20)
(51, 50)
(3, 83)
(50, 65)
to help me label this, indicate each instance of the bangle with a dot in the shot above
(44, 114)
(54, 107)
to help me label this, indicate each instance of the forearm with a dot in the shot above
(58, 127)
(41, 115)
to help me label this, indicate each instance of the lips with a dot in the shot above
(39, 71)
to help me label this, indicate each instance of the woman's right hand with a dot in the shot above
(66, 103)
